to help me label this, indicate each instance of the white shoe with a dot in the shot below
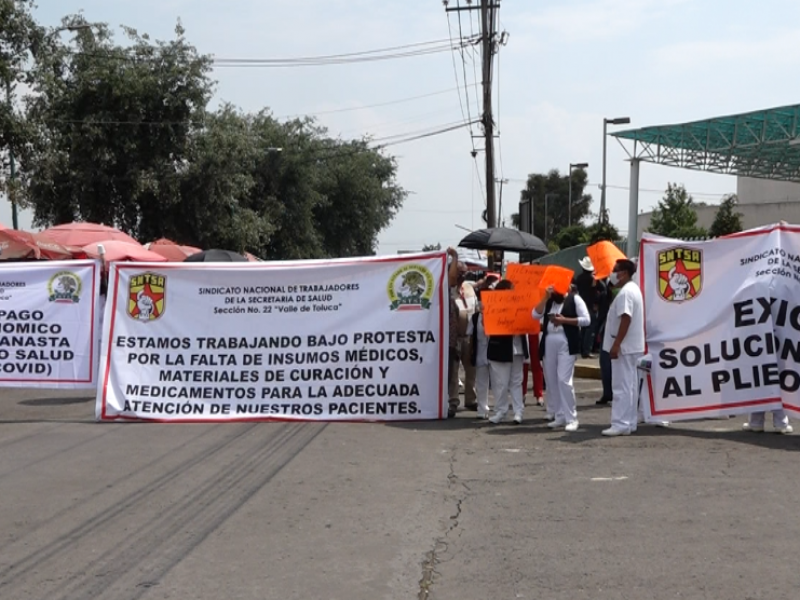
(557, 424)
(613, 432)
(517, 419)
(483, 415)
(573, 426)
(548, 416)
(753, 428)
(496, 419)
(785, 430)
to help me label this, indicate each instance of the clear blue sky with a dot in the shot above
(568, 64)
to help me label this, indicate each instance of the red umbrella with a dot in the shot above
(116, 250)
(23, 244)
(83, 234)
(170, 250)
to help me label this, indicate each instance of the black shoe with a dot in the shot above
(603, 401)
(471, 407)
(451, 413)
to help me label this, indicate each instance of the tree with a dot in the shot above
(676, 216)
(726, 221)
(602, 230)
(20, 36)
(431, 247)
(572, 236)
(556, 188)
(123, 136)
(113, 127)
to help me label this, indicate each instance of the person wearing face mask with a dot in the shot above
(624, 342)
(562, 318)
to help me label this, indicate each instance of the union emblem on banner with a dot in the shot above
(680, 273)
(147, 294)
(411, 288)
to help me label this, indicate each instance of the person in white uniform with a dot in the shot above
(780, 422)
(562, 319)
(480, 344)
(507, 354)
(624, 341)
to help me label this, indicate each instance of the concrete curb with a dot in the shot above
(587, 372)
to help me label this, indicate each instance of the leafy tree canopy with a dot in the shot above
(675, 215)
(727, 220)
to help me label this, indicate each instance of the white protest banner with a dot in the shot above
(347, 339)
(723, 323)
(48, 323)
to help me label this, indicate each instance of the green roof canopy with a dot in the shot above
(763, 144)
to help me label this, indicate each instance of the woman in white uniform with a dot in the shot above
(480, 344)
(562, 318)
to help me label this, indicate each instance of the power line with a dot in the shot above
(463, 65)
(458, 87)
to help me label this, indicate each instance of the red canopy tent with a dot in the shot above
(116, 250)
(83, 234)
(23, 244)
(171, 251)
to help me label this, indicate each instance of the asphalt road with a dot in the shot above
(440, 510)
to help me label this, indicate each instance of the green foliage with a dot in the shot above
(726, 221)
(556, 188)
(602, 230)
(123, 136)
(572, 236)
(676, 216)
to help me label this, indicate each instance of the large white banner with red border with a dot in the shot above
(48, 324)
(350, 339)
(723, 323)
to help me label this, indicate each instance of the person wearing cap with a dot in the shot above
(587, 290)
(562, 316)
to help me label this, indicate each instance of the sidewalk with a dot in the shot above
(588, 368)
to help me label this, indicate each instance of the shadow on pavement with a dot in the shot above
(55, 401)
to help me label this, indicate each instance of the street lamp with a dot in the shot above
(546, 198)
(569, 207)
(12, 164)
(606, 122)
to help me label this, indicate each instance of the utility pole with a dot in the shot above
(487, 41)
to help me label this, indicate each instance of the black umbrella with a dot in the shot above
(215, 256)
(505, 238)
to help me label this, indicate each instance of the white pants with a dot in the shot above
(779, 419)
(625, 388)
(559, 367)
(482, 388)
(507, 379)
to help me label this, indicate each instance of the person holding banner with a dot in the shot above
(562, 317)
(507, 354)
(624, 342)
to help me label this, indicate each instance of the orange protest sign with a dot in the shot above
(508, 312)
(559, 277)
(525, 276)
(604, 255)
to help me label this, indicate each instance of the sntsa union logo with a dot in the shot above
(147, 296)
(680, 274)
(411, 288)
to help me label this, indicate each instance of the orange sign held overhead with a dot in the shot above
(559, 277)
(508, 312)
(525, 276)
(604, 256)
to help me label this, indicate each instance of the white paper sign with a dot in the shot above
(723, 323)
(48, 324)
(350, 339)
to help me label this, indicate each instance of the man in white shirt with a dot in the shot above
(624, 341)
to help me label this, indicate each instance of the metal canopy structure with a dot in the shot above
(762, 144)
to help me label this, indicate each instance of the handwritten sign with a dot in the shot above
(525, 276)
(559, 277)
(508, 312)
(604, 255)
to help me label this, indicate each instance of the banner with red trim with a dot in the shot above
(723, 323)
(349, 339)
